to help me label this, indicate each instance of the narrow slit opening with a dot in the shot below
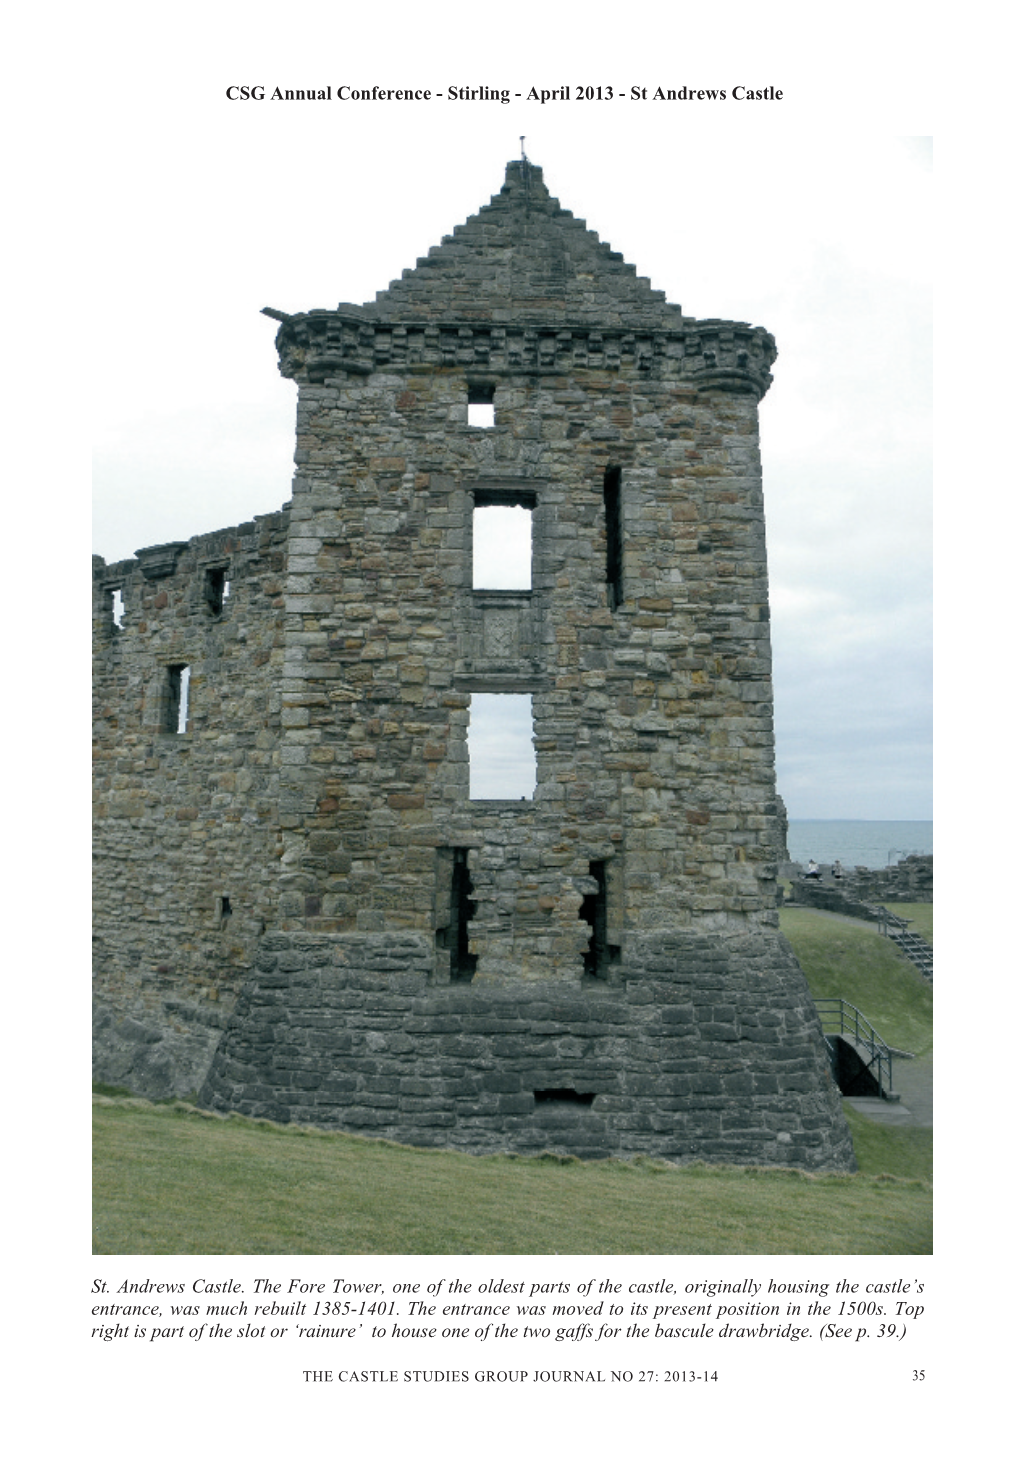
(462, 962)
(178, 692)
(594, 909)
(611, 494)
(564, 1096)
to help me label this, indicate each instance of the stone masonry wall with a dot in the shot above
(710, 1050)
(651, 696)
(183, 821)
(652, 721)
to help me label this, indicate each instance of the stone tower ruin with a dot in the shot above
(308, 907)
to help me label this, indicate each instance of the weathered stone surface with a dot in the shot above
(182, 821)
(614, 1071)
(396, 955)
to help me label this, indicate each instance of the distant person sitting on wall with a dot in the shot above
(812, 872)
(837, 871)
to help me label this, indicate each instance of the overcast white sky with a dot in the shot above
(773, 213)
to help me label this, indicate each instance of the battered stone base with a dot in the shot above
(157, 1059)
(709, 1048)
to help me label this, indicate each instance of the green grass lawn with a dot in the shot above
(168, 1180)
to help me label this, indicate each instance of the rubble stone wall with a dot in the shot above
(183, 822)
(911, 879)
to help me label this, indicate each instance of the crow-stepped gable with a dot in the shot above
(307, 905)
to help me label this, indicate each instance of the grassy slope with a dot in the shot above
(170, 1181)
(844, 960)
(167, 1180)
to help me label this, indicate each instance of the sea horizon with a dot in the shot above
(874, 843)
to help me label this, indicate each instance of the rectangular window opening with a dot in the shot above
(501, 547)
(178, 688)
(117, 608)
(501, 748)
(612, 497)
(481, 407)
(217, 588)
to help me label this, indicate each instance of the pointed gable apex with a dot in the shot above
(524, 258)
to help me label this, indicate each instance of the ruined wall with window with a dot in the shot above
(188, 647)
(574, 944)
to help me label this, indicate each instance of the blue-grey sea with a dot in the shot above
(872, 842)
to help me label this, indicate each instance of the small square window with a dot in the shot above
(217, 588)
(481, 406)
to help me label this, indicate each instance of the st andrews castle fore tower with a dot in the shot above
(308, 905)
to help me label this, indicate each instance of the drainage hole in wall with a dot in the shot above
(563, 1096)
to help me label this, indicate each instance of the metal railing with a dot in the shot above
(888, 921)
(914, 947)
(842, 1018)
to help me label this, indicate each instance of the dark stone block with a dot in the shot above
(364, 1117)
(502, 1083)
(415, 1086)
(739, 1083)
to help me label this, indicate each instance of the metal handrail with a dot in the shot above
(914, 947)
(887, 919)
(852, 1022)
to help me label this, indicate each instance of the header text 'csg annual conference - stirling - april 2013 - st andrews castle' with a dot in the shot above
(563, 93)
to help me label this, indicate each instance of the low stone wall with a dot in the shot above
(860, 890)
(839, 898)
(911, 879)
(710, 1049)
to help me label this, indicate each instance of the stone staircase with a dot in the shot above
(918, 950)
(914, 947)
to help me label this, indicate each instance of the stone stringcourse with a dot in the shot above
(301, 912)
